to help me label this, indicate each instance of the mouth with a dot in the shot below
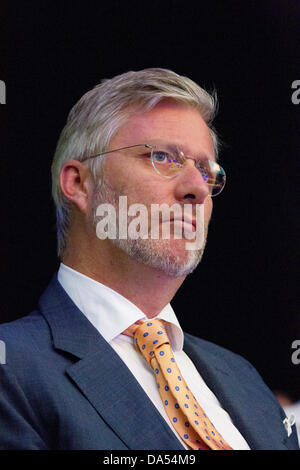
(188, 224)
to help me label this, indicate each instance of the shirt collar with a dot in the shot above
(108, 311)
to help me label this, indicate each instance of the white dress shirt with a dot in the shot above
(111, 313)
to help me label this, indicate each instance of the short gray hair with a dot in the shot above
(102, 111)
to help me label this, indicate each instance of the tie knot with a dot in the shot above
(149, 335)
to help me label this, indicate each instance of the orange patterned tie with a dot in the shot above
(184, 412)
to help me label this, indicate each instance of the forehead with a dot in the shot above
(169, 122)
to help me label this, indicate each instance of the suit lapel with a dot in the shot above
(102, 376)
(242, 399)
(113, 391)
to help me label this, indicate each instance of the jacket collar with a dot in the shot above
(71, 330)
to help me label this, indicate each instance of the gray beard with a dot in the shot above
(155, 253)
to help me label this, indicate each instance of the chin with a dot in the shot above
(167, 256)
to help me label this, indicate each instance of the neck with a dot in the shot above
(148, 288)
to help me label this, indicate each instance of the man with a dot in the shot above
(74, 378)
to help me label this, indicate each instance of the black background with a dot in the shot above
(245, 294)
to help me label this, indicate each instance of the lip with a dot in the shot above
(183, 220)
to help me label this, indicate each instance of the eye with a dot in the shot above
(160, 156)
(204, 174)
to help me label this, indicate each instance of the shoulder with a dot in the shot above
(25, 339)
(29, 328)
(222, 357)
(215, 350)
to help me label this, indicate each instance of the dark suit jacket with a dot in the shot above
(64, 387)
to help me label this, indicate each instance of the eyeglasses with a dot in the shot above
(168, 161)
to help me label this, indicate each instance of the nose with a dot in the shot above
(190, 185)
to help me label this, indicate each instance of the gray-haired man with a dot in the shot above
(72, 379)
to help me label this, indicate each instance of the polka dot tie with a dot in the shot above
(183, 410)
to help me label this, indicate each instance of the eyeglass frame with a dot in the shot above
(153, 147)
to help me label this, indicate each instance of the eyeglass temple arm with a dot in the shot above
(116, 150)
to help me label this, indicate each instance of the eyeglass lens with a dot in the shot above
(168, 163)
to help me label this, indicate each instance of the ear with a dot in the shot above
(75, 183)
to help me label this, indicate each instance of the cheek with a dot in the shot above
(141, 190)
(208, 207)
(144, 192)
(127, 181)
